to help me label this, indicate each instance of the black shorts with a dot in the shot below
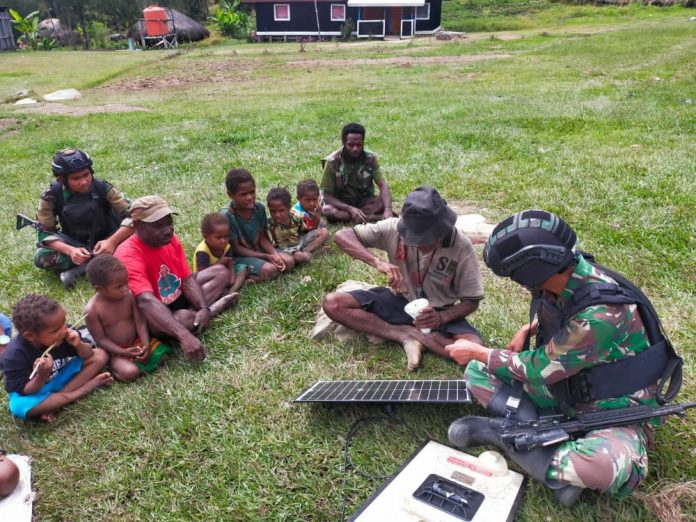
(357, 201)
(390, 308)
(181, 303)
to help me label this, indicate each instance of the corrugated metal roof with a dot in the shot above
(386, 3)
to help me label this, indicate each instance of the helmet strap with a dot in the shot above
(534, 305)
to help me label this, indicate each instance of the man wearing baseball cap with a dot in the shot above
(428, 258)
(175, 302)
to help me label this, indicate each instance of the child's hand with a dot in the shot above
(132, 352)
(143, 354)
(277, 261)
(73, 338)
(45, 365)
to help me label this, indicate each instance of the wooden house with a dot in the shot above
(293, 19)
(7, 38)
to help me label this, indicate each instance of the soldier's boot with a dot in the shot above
(526, 410)
(568, 495)
(70, 276)
(476, 431)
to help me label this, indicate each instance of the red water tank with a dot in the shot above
(156, 23)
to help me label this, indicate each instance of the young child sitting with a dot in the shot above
(288, 231)
(215, 248)
(68, 372)
(9, 475)
(115, 322)
(5, 333)
(247, 220)
(308, 206)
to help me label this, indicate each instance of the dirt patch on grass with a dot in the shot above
(240, 70)
(69, 110)
(231, 70)
(405, 61)
(9, 127)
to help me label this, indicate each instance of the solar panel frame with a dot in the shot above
(448, 391)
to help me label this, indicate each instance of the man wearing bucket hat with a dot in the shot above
(428, 258)
(175, 302)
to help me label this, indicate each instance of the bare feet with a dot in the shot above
(413, 351)
(302, 257)
(222, 304)
(434, 341)
(48, 417)
(99, 381)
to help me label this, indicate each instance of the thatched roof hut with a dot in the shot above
(52, 28)
(187, 29)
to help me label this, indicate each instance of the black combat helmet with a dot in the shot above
(530, 247)
(67, 161)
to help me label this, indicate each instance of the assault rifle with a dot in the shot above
(23, 221)
(552, 429)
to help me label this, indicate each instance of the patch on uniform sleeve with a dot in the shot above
(47, 195)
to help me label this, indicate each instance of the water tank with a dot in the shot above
(156, 21)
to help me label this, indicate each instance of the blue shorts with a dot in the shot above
(20, 404)
(390, 308)
(253, 263)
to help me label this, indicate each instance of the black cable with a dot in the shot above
(348, 464)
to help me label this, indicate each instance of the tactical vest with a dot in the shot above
(363, 176)
(658, 364)
(88, 217)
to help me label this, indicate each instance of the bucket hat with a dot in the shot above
(425, 217)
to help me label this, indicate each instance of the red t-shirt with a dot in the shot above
(159, 270)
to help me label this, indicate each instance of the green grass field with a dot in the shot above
(596, 122)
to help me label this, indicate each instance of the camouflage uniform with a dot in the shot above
(46, 214)
(350, 181)
(614, 459)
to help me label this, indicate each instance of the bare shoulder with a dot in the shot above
(92, 306)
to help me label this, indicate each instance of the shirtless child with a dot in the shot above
(115, 322)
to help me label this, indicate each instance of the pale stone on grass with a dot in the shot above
(24, 93)
(62, 95)
(325, 327)
(475, 227)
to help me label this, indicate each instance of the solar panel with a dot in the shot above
(388, 392)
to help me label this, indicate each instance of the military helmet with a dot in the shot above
(530, 247)
(67, 161)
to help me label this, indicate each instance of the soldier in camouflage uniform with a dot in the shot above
(348, 184)
(89, 211)
(610, 460)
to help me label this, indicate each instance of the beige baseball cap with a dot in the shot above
(150, 209)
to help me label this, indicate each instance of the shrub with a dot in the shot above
(231, 20)
(28, 26)
(347, 30)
